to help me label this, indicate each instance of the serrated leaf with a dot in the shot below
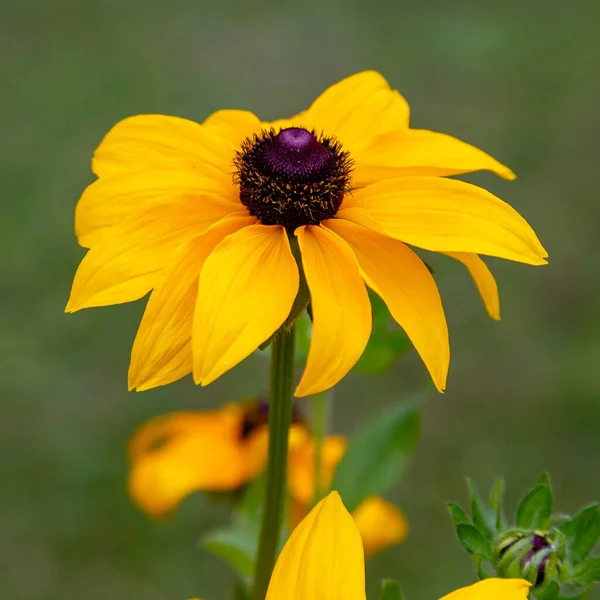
(457, 514)
(236, 547)
(474, 541)
(390, 590)
(496, 500)
(482, 517)
(582, 533)
(378, 454)
(535, 509)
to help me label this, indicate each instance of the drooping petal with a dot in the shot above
(162, 351)
(446, 215)
(129, 262)
(381, 525)
(146, 142)
(204, 453)
(420, 152)
(301, 467)
(340, 308)
(246, 291)
(323, 558)
(233, 125)
(357, 108)
(484, 280)
(154, 432)
(112, 201)
(493, 589)
(399, 276)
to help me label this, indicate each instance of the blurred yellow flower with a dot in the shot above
(180, 453)
(323, 560)
(380, 523)
(205, 217)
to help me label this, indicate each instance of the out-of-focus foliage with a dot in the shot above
(516, 79)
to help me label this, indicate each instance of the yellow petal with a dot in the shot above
(340, 307)
(358, 108)
(112, 201)
(204, 453)
(447, 215)
(323, 559)
(381, 525)
(246, 291)
(301, 467)
(484, 280)
(233, 125)
(420, 152)
(399, 276)
(493, 589)
(144, 142)
(128, 263)
(162, 351)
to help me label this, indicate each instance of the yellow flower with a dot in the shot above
(180, 453)
(323, 560)
(204, 216)
(380, 523)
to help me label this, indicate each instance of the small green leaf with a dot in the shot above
(474, 541)
(582, 533)
(482, 518)
(457, 514)
(378, 454)
(246, 514)
(535, 509)
(390, 590)
(496, 499)
(236, 547)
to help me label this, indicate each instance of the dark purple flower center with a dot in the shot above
(537, 544)
(256, 415)
(292, 178)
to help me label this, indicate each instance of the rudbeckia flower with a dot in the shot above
(180, 453)
(323, 560)
(222, 221)
(381, 524)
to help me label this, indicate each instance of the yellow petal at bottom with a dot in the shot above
(492, 589)
(323, 558)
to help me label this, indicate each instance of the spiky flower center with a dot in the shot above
(292, 177)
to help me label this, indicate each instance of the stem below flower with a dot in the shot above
(320, 410)
(280, 417)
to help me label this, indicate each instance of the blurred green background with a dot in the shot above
(517, 79)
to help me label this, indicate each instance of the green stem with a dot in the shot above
(319, 429)
(280, 416)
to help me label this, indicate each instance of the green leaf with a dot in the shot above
(390, 590)
(549, 592)
(378, 454)
(385, 344)
(474, 541)
(482, 517)
(535, 509)
(246, 514)
(457, 514)
(582, 533)
(588, 571)
(236, 547)
(496, 499)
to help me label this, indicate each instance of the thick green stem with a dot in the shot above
(280, 416)
(320, 417)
